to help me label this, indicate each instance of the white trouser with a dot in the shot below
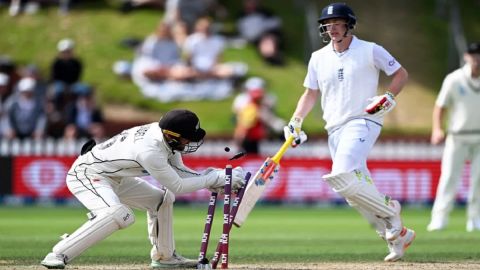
(97, 192)
(350, 145)
(456, 152)
(376, 222)
(349, 148)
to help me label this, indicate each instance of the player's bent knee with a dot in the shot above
(122, 214)
(345, 184)
(168, 198)
(100, 225)
(360, 193)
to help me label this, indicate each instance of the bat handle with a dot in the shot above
(276, 158)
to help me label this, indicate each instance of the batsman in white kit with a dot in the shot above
(106, 180)
(345, 73)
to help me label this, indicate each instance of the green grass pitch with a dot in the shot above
(270, 235)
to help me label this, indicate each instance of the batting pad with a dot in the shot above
(377, 223)
(160, 229)
(360, 192)
(102, 224)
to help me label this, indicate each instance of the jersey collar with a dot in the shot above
(353, 44)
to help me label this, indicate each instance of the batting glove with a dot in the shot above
(209, 170)
(381, 105)
(294, 128)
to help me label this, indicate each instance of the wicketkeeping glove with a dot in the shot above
(238, 180)
(380, 105)
(294, 128)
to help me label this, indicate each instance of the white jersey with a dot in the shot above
(461, 94)
(347, 80)
(140, 151)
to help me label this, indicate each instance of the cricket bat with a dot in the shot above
(258, 183)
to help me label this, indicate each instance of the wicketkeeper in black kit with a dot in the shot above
(105, 179)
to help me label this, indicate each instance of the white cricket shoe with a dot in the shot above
(473, 225)
(54, 261)
(394, 224)
(176, 261)
(438, 224)
(398, 246)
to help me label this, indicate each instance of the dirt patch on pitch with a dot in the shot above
(313, 266)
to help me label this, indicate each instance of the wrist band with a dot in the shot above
(297, 119)
(390, 94)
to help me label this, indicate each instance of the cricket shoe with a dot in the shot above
(176, 261)
(54, 261)
(394, 223)
(473, 225)
(438, 224)
(204, 264)
(398, 246)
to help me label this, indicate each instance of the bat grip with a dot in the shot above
(276, 158)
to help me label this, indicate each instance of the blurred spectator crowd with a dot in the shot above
(181, 60)
(17, 7)
(160, 71)
(60, 106)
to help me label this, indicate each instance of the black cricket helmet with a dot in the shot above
(184, 124)
(337, 10)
